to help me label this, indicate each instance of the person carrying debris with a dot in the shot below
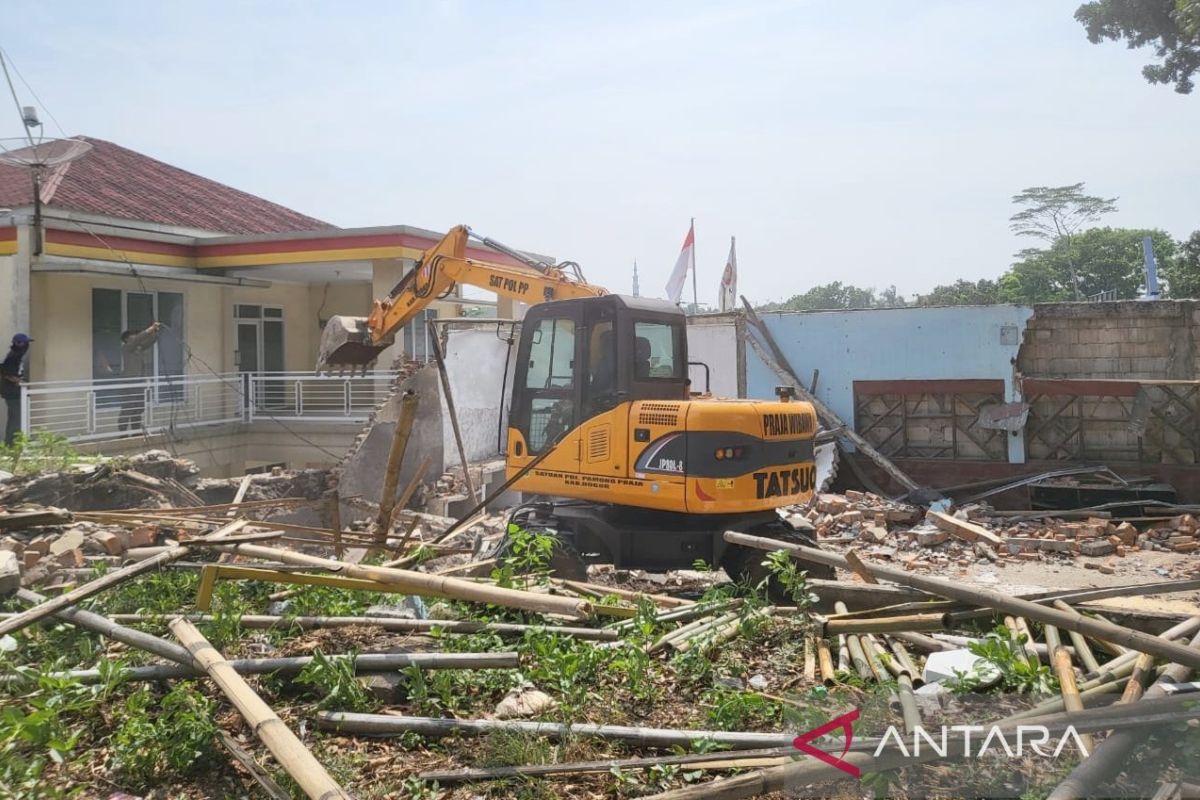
(135, 349)
(11, 374)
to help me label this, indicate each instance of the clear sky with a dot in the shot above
(872, 142)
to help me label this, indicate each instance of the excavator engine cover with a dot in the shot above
(346, 343)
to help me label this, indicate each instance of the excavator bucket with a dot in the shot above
(346, 344)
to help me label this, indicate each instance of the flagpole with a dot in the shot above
(695, 300)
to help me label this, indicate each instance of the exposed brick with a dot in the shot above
(110, 542)
(1096, 547)
(30, 558)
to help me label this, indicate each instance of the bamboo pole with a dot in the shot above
(391, 474)
(999, 601)
(716, 760)
(810, 660)
(598, 591)
(448, 396)
(906, 662)
(1143, 673)
(1144, 716)
(107, 581)
(1028, 644)
(926, 643)
(427, 585)
(109, 628)
(843, 662)
(363, 663)
(825, 659)
(405, 496)
(395, 725)
(910, 622)
(1109, 757)
(335, 522)
(876, 664)
(258, 621)
(1070, 692)
(291, 753)
(1082, 650)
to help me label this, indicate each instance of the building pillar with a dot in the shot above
(14, 286)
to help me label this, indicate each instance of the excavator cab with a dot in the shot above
(580, 358)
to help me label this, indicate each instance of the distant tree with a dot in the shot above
(1099, 260)
(1183, 271)
(827, 296)
(963, 293)
(1171, 27)
(1054, 214)
(890, 298)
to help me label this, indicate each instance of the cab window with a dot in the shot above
(658, 351)
(552, 355)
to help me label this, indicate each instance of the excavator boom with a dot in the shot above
(355, 342)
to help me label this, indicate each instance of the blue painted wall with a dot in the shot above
(892, 344)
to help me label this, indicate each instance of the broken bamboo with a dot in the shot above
(395, 725)
(363, 662)
(391, 475)
(991, 599)
(427, 585)
(288, 750)
(1083, 651)
(908, 622)
(825, 659)
(107, 581)
(1070, 691)
(1106, 760)
(397, 624)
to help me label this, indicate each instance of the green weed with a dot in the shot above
(1002, 652)
(332, 679)
(169, 736)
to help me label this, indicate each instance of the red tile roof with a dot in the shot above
(117, 182)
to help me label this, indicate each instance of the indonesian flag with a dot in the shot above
(728, 293)
(686, 261)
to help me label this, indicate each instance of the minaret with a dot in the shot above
(635, 280)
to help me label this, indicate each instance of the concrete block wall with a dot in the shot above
(1127, 339)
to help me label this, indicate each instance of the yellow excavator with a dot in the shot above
(626, 464)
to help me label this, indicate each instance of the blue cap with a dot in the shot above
(20, 339)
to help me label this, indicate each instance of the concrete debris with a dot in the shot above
(524, 702)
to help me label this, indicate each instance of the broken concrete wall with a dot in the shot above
(1121, 340)
(361, 473)
(896, 344)
(479, 363)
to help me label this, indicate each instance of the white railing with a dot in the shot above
(316, 398)
(115, 408)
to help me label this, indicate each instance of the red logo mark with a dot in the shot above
(844, 722)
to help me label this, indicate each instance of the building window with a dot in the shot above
(416, 336)
(115, 311)
(259, 338)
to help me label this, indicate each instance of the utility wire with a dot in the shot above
(16, 101)
(42, 105)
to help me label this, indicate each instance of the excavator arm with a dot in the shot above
(356, 342)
